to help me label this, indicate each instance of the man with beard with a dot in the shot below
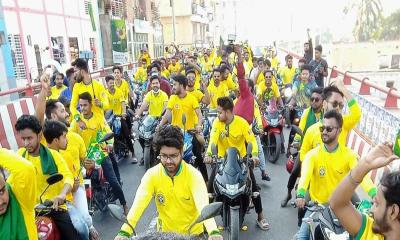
(199, 95)
(59, 86)
(310, 116)
(155, 69)
(287, 72)
(17, 197)
(385, 220)
(324, 167)
(177, 188)
(216, 89)
(154, 101)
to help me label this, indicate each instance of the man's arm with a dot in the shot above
(250, 138)
(68, 180)
(367, 185)
(199, 116)
(166, 117)
(302, 123)
(41, 100)
(214, 135)
(142, 108)
(307, 168)
(340, 202)
(206, 98)
(307, 143)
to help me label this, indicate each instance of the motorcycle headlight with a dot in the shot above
(274, 122)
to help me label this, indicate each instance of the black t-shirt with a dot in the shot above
(316, 66)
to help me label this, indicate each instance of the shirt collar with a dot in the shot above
(333, 151)
(177, 173)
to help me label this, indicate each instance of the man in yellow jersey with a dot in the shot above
(287, 72)
(325, 166)
(122, 84)
(310, 116)
(177, 188)
(86, 84)
(174, 66)
(267, 91)
(226, 78)
(154, 101)
(141, 73)
(385, 220)
(59, 86)
(207, 63)
(47, 162)
(216, 89)
(17, 197)
(95, 125)
(199, 95)
(144, 54)
(183, 104)
(55, 133)
(228, 131)
(164, 71)
(117, 103)
(192, 65)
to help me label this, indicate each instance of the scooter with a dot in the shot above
(209, 211)
(272, 139)
(147, 128)
(46, 227)
(233, 186)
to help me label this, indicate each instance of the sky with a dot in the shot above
(267, 20)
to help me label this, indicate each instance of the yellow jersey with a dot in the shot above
(179, 200)
(236, 134)
(215, 93)
(55, 189)
(96, 90)
(267, 94)
(179, 106)
(287, 74)
(124, 88)
(165, 73)
(23, 182)
(174, 69)
(303, 121)
(141, 74)
(229, 83)
(56, 92)
(312, 138)
(365, 232)
(156, 102)
(197, 94)
(75, 152)
(115, 101)
(322, 171)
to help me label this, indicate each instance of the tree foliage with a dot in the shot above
(391, 27)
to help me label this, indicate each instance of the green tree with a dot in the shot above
(369, 18)
(391, 27)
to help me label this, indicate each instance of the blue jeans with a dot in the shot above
(78, 221)
(261, 155)
(304, 231)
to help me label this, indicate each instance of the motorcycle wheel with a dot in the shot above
(234, 226)
(147, 157)
(274, 148)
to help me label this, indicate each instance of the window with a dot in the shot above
(140, 40)
(57, 44)
(17, 57)
(117, 8)
(86, 7)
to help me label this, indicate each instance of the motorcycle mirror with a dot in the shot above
(54, 178)
(214, 149)
(249, 148)
(107, 137)
(208, 212)
(297, 130)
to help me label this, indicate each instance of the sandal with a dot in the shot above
(263, 224)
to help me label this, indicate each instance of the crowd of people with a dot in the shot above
(240, 88)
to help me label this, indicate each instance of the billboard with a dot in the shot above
(119, 41)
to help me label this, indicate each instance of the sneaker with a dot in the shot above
(265, 177)
(263, 224)
(286, 200)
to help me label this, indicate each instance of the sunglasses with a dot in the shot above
(316, 99)
(337, 104)
(327, 128)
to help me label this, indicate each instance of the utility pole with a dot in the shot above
(173, 17)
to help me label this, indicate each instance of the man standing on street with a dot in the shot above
(319, 66)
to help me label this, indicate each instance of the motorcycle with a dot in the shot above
(46, 227)
(233, 186)
(293, 150)
(98, 190)
(147, 128)
(273, 126)
(209, 211)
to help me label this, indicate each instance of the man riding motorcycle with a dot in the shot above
(177, 188)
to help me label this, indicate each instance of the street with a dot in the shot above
(283, 221)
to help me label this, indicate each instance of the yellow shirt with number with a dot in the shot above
(236, 135)
(56, 92)
(124, 88)
(115, 101)
(156, 102)
(365, 232)
(23, 184)
(287, 74)
(55, 189)
(75, 152)
(215, 93)
(180, 106)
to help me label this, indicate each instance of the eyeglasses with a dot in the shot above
(336, 104)
(327, 128)
(172, 157)
(316, 99)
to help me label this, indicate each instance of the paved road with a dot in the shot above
(282, 220)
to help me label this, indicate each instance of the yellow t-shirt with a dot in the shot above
(322, 171)
(236, 135)
(275, 63)
(174, 69)
(215, 93)
(178, 201)
(365, 232)
(23, 184)
(287, 74)
(141, 74)
(124, 88)
(180, 106)
(261, 91)
(56, 92)
(55, 189)
(165, 73)
(229, 83)
(93, 125)
(197, 94)
(75, 152)
(115, 101)
(156, 102)
(95, 89)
